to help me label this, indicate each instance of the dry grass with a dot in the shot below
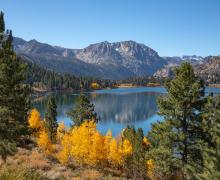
(33, 164)
(19, 173)
(38, 161)
(32, 159)
(91, 174)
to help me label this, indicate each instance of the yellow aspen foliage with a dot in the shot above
(150, 167)
(97, 150)
(64, 155)
(115, 155)
(81, 139)
(126, 148)
(60, 131)
(146, 142)
(34, 120)
(107, 140)
(95, 86)
(85, 145)
(37, 124)
(44, 142)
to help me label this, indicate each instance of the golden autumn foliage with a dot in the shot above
(107, 140)
(85, 145)
(64, 154)
(146, 142)
(60, 130)
(114, 156)
(126, 147)
(150, 167)
(118, 151)
(44, 142)
(82, 142)
(34, 120)
(97, 154)
(95, 86)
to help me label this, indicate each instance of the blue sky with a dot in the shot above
(171, 27)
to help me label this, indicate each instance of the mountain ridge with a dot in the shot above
(116, 60)
(107, 60)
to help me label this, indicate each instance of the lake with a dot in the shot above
(117, 108)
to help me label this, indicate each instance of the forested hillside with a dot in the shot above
(49, 80)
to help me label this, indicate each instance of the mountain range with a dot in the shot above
(118, 60)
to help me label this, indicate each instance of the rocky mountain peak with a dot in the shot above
(134, 49)
(99, 48)
(98, 53)
(33, 41)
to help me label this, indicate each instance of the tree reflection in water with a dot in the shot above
(116, 110)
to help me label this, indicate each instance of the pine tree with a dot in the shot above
(83, 110)
(211, 126)
(2, 23)
(14, 94)
(136, 162)
(161, 148)
(182, 111)
(50, 119)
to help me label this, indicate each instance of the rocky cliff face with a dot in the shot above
(173, 62)
(210, 65)
(207, 68)
(137, 58)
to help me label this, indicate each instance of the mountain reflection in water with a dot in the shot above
(116, 108)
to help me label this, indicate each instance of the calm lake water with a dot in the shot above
(116, 108)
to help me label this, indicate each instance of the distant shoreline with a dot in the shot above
(217, 85)
(37, 94)
(41, 93)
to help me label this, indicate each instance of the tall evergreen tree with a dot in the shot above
(2, 22)
(135, 164)
(14, 94)
(182, 109)
(83, 110)
(161, 148)
(50, 119)
(211, 128)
